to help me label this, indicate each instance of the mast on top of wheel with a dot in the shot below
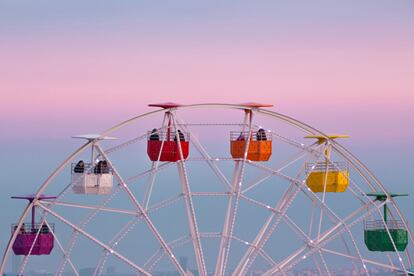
(166, 105)
(251, 106)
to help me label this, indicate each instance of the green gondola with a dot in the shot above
(376, 236)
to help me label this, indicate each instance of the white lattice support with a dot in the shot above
(89, 207)
(368, 261)
(306, 190)
(325, 265)
(93, 239)
(102, 207)
(268, 227)
(145, 173)
(191, 215)
(271, 223)
(62, 248)
(233, 203)
(154, 166)
(325, 238)
(305, 237)
(160, 253)
(207, 157)
(145, 216)
(29, 206)
(113, 243)
(325, 181)
(280, 168)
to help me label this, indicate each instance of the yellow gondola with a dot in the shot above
(327, 176)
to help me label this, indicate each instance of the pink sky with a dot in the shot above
(359, 74)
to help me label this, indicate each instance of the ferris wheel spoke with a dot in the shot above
(62, 249)
(278, 168)
(233, 202)
(95, 210)
(145, 216)
(328, 235)
(295, 144)
(354, 161)
(271, 223)
(83, 224)
(160, 253)
(150, 184)
(318, 267)
(154, 166)
(295, 228)
(131, 179)
(125, 144)
(311, 248)
(192, 221)
(196, 142)
(101, 207)
(346, 227)
(191, 215)
(345, 224)
(96, 207)
(325, 181)
(285, 217)
(306, 237)
(325, 265)
(352, 185)
(265, 232)
(368, 261)
(322, 205)
(93, 239)
(23, 263)
(122, 233)
(40, 191)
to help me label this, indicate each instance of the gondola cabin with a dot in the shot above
(327, 176)
(166, 147)
(334, 176)
(376, 236)
(27, 237)
(260, 145)
(33, 238)
(95, 177)
(91, 178)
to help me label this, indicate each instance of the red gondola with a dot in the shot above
(167, 147)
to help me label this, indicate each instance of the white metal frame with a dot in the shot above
(235, 192)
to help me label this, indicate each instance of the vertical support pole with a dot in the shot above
(232, 204)
(188, 200)
(92, 153)
(33, 215)
(155, 165)
(385, 213)
(169, 126)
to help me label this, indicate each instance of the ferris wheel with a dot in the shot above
(210, 189)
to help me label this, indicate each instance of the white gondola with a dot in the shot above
(90, 182)
(91, 178)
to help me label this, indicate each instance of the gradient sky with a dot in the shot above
(68, 67)
(78, 60)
